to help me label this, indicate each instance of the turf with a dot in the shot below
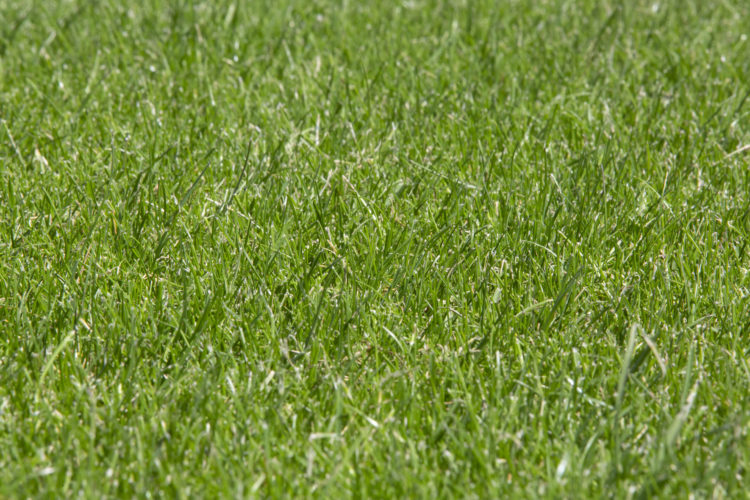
(329, 248)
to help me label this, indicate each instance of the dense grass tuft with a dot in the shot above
(425, 248)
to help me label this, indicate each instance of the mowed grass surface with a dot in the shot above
(380, 249)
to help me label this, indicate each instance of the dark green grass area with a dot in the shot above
(384, 249)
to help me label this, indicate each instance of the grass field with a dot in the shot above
(389, 249)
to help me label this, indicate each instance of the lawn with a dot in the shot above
(387, 249)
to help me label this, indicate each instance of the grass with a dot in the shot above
(330, 248)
